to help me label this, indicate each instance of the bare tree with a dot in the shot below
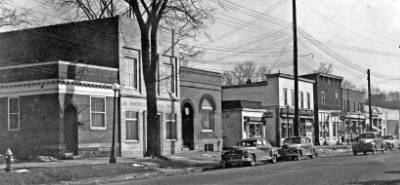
(326, 68)
(10, 17)
(245, 72)
(346, 84)
(87, 9)
(191, 16)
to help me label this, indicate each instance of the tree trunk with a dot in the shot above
(153, 122)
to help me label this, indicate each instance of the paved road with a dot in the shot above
(363, 169)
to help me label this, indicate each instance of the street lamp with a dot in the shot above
(115, 88)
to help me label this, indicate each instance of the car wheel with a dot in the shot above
(253, 161)
(312, 156)
(274, 158)
(225, 164)
(355, 153)
(365, 152)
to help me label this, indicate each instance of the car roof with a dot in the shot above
(252, 139)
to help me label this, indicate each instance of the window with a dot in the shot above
(171, 126)
(323, 98)
(308, 101)
(302, 100)
(132, 125)
(13, 114)
(130, 72)
(207, 115)
(98, 113)
(292, 92)
(255, 129)
(285, 96)
(337, 98)
(354, 106)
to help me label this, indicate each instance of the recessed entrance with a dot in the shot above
(187, 126)
(71, 129)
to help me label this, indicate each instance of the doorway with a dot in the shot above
(188, 126)
(71, 129)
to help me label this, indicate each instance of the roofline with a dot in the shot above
(245, 85)
(353, 90)
(325, 75)
(284, 75)
(200, 70)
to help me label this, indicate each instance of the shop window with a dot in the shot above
(13, 114)
(209, 147)
(171, 126)
(132, 125)
(207, 115)
(98, 113)
(255, 129)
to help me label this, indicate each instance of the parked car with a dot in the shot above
(249, 151)
(388, 142)
(368, 142)
(297, 147)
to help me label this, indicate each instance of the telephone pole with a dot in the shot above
(369, 99)
(296, 81)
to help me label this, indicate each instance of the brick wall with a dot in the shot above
(39, 126)
(195, 85)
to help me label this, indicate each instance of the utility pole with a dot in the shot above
(369, 99)
(296, 81)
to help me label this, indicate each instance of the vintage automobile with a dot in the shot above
(388, 142)
(249, 151)
(368, 142)
(297, 147)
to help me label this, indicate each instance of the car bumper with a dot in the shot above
(236, 159)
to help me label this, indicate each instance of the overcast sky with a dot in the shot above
(353, 35)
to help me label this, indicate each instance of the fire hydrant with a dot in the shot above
(8, 157)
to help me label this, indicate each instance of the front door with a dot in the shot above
(71, 129)
(187, 126)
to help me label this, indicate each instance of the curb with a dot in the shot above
(128, 177)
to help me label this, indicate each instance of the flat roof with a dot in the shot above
(324, 75)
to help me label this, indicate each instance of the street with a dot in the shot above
(362, 169)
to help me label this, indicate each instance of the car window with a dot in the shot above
(387, 137)
(295, 140)
(303, 140)
(259, 142)
(264, 142)
(308, 140)
(247, 143)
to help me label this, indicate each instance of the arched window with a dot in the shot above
(207, 115)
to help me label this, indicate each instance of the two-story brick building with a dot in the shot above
(353, 117)
(201, 109)
(276, 95)
(327, 107)
(56, 91)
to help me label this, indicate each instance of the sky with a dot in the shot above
(353, 35)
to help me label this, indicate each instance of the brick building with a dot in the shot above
(327, 106)
(353, 117)
(242, 119)
(276, 95)
(201, 109)
(56, 91)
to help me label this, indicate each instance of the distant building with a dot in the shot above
(327, 107)
(200, 93)
(56, 91)
(276, 95)
(353, 116)
(242, 119)
(385, 121)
